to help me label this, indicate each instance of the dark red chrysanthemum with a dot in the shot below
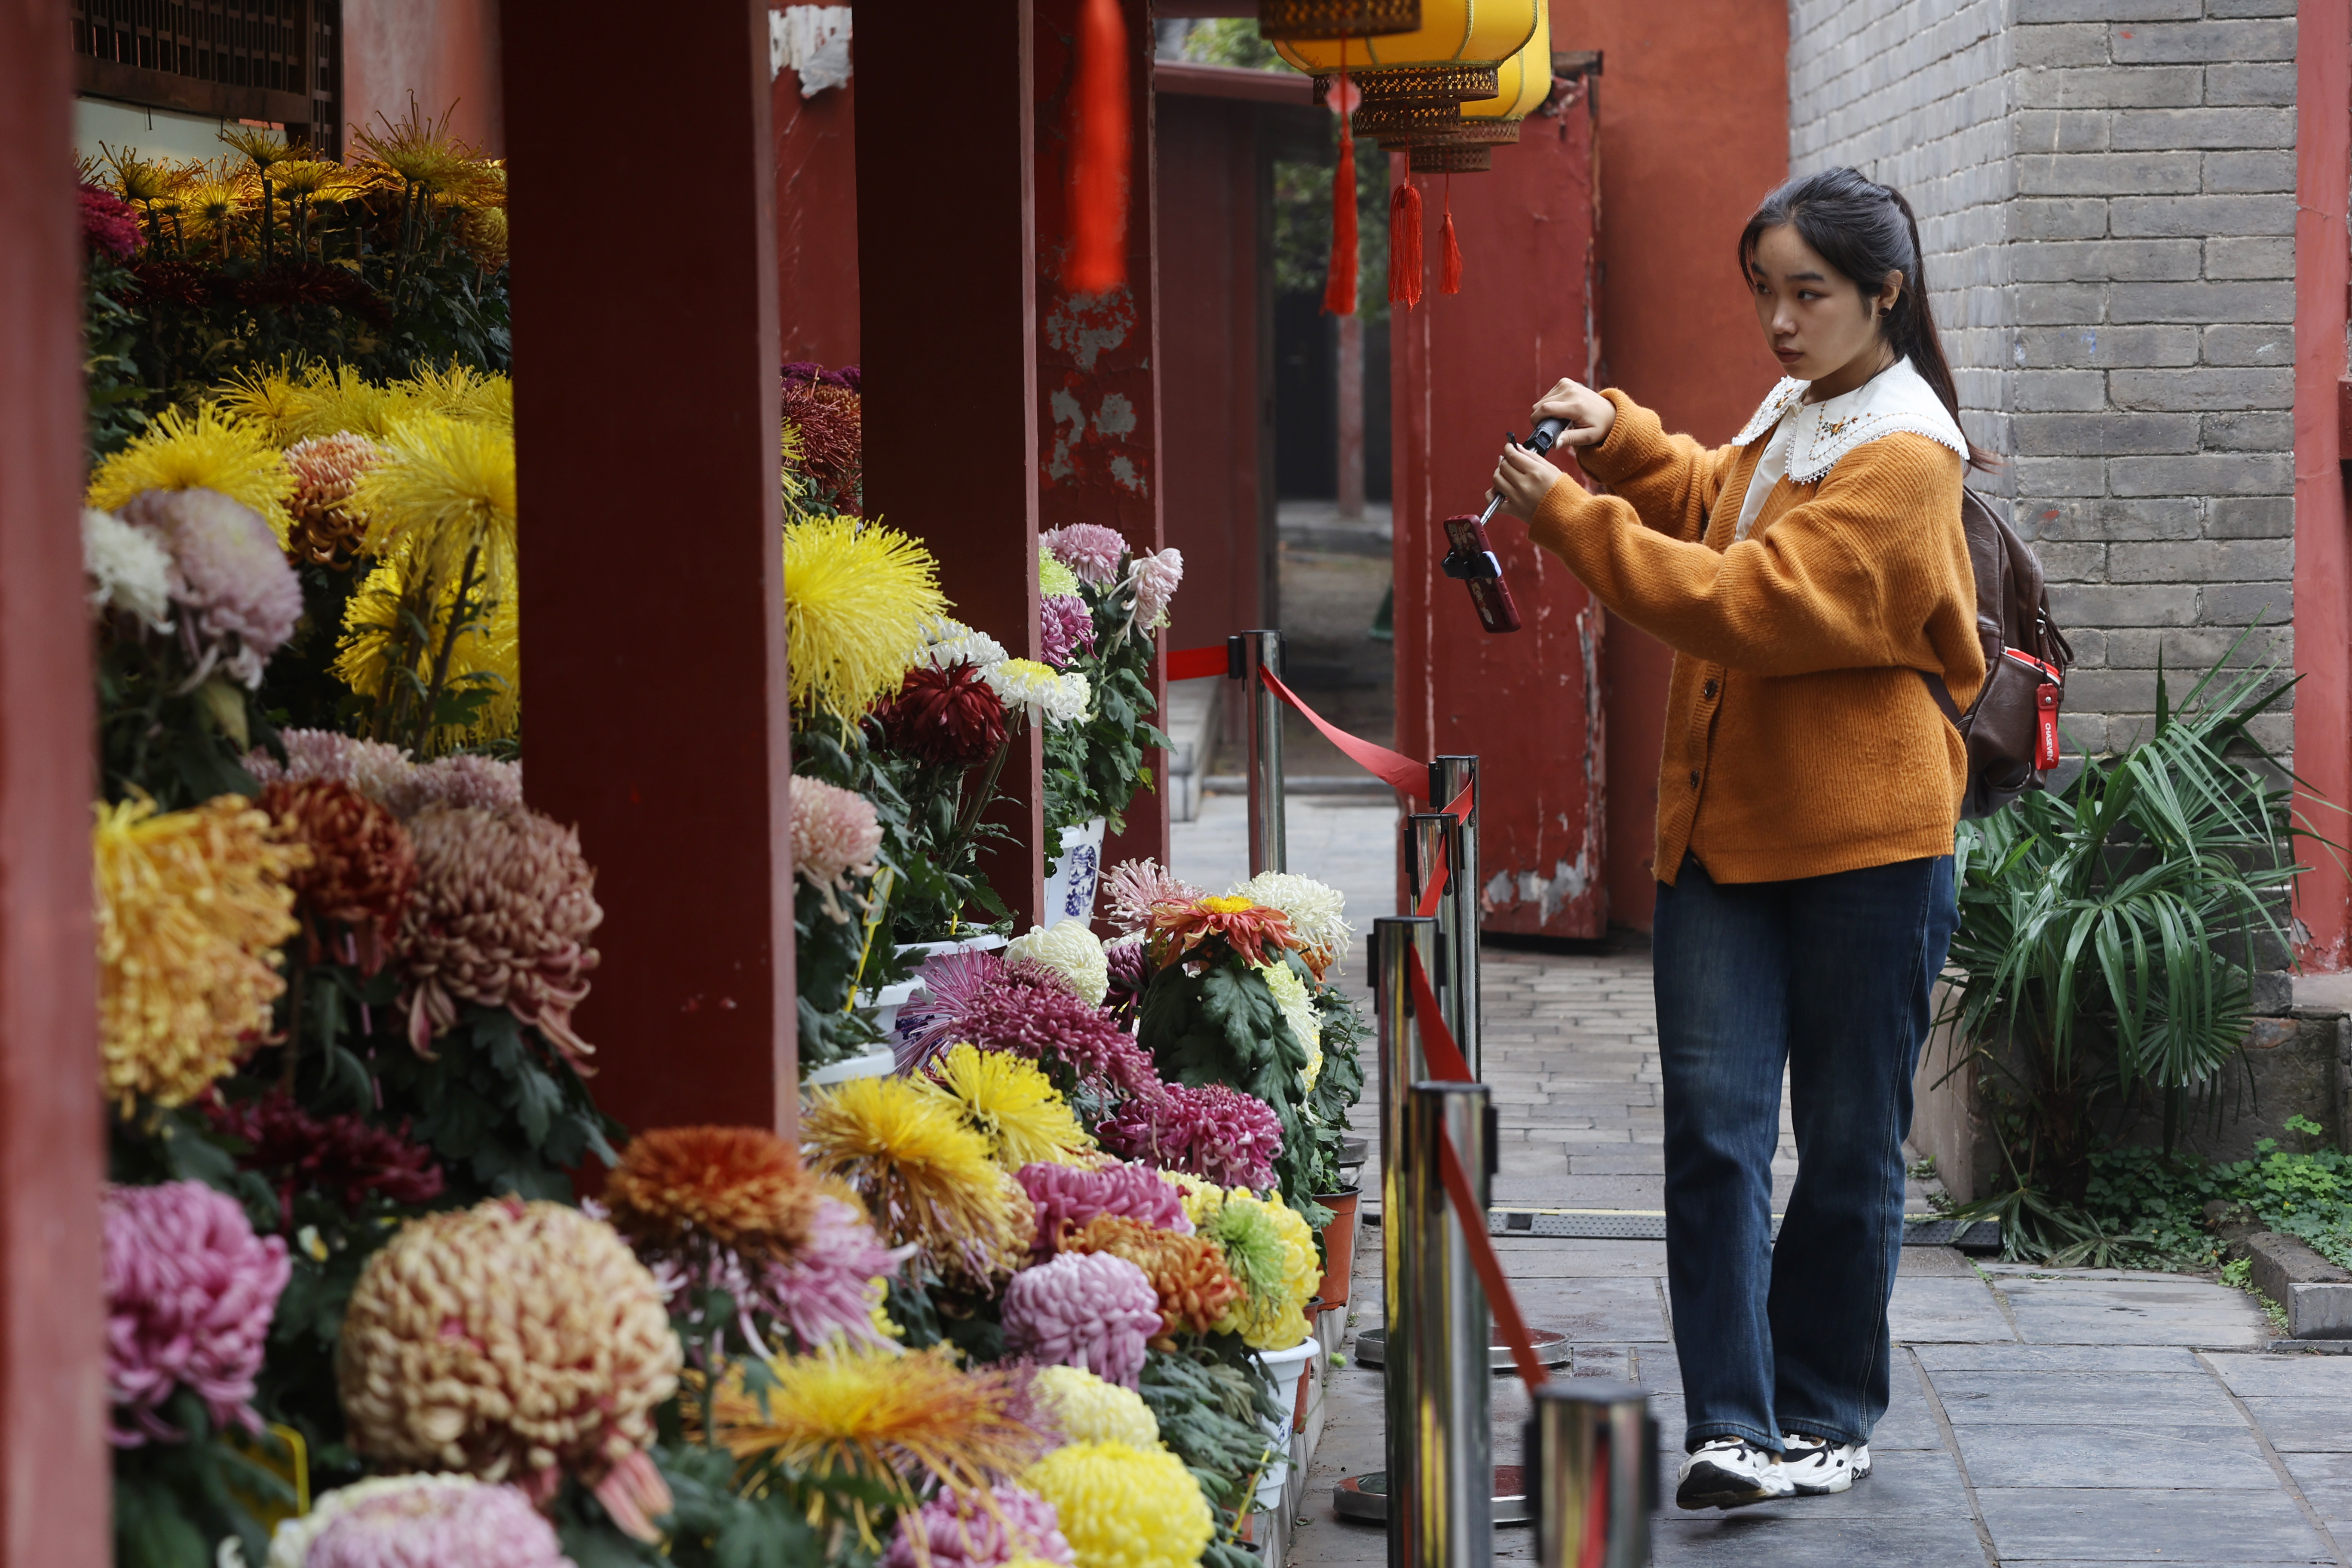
(161, 278)
(833, 437)
(1212, 1132)
(1025, 1008)
(361, 870)
(345, 1157)
(945, 716)
(314, 283)
(110, 224)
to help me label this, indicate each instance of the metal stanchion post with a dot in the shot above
(1441, 1437)
(1400, 1066)
(1268, 847)
(1448, 776)
(1593, 1474)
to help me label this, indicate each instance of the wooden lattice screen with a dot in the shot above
(275, 61)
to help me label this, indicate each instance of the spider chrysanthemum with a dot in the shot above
(210, 451)
(1008, 1100)
(858, 597)
(485, 655)
(443, 490)
(925, 1177)
(1258, 934)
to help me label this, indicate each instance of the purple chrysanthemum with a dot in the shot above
(190, 1290)
(1156, 574)
(1132, 888)
(1215, 1133)
(1065, 628)
(1088, 549)
(1025, 1008)
(1068, 1196)
(437, 1521)
(1011, 1523)
(1090, 1309)
(241, 596)
(826, 1289)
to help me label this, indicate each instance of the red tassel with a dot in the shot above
(1404, 245)
(1449, 262)
(1339, 288)
(1099, 140)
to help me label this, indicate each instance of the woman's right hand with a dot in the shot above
(1589, 415)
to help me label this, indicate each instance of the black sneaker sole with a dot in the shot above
(1711, 1485)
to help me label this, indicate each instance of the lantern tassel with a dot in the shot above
(1449, 255)
(1339, 288)
(1404, 245)
(1099, 143)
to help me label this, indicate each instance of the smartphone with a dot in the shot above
(1473, 560)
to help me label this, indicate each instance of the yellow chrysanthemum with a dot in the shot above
(488, 652)
(460, 392)
(1269, 1250)
(1278, 1321)
(1053, 578)
(922, 1174)
(1089, 1410)
(1009, 1101)
(339, 400)
(1124, 1507)
(272, 400)
(212, 451)
(889, 1420)
(444, 490)
(856, 598)
(192, 907)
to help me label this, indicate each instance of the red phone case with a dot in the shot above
(1492, 596)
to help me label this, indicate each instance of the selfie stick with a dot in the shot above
(1546, 432)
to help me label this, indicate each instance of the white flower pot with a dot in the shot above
(1072, 876)
(1286, 1367)
(875, 1063)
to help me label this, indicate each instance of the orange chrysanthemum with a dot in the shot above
(1189, 1272)
(739, 1187)
(361, 870)
(1258, 934)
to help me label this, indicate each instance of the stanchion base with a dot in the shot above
(1365, 1497)
(1551, 1347)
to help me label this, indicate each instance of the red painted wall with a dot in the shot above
(816, 221)
(1693, 104)
(444, 51)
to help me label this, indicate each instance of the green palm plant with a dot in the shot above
(2103, 938)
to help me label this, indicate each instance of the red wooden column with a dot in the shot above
(645, 420)
(1098, 355)
(1466, 366)
(947, 279)
(53, 1451)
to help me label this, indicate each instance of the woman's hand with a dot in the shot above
(1521, 479)
(1589, 415)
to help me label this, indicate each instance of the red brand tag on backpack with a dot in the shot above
(2045, 741)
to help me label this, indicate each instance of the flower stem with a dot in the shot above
(457, 620)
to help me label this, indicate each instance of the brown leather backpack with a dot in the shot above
(2011, 727)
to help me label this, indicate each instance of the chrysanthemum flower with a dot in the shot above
(1089, 1410)
(1127, 969)
(1045, 693)
(1157, 577)
(461, 392)
(238, 597)
(737, 1187)
(1055, 580)
(504, 908)
(830, 422)
(1315, 911)
(891, 1420)
(1066, 628)
(1088, 549)
(362, 870)
(208, 452)
(190, 1291)
(1070, 949)
(947, 717)
(1007, 1100)
(1259, 935)
(513, 1342)
(346, 1157)
(1090, 1309)
(1298, 1007)
(192, 907)
(109, 224)
(1066, 1198)
(371, 767)
(949, 642)
(419, 1521)
(1212, 1132)
(835, 837)
(857, 597)
(1133, 888)
(980, 998)
(463, 779)
(1270, 1251)
(327, 528)
(129, 570)
(828, 1288)
(443, 488)
(1196, 1290)
(485, 654)
(1005, 1526)
(1124, 1507)
(924, 1176)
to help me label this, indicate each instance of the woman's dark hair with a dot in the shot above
(1865, 231)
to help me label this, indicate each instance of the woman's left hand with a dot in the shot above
(1522, 479)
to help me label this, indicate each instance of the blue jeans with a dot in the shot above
(1829, 976)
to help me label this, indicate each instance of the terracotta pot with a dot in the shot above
(1338, 1244)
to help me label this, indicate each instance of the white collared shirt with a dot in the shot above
(1808, 438)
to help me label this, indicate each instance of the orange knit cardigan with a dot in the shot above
(1798, 740)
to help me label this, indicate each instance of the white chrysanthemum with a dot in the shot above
(1053, 578)
(1298, 1007)
(949, 642)
(1314, 910)
(1068, 701)
(1070, 951)
(129, 569)
(1043, 690)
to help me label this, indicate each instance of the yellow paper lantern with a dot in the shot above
(1524, 83)
(1415, 84)
(1288, 19)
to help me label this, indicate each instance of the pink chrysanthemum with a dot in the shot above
(108, 223)
(242, 597)
(1065, 628)
(1068, 1196)
(326, 468)
(825, 1290)
(1090, 1309)
(834, 836)
(1132, 887)
(1025, 1008)
(1010, 1525)
(1157, 577)
(466, 779)
(371, 767)
(1087, 549)
(1215, 1133)
(437, 1521)
(190, 1290)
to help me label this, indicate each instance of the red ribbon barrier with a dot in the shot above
(1398, 771)
(1431, 893)
(1196, 663)
(1445, 1059)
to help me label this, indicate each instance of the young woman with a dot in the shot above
(1806, 576)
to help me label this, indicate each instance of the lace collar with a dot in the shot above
(1896, 398)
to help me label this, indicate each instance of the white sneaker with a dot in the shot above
(1730, 1472)
(1816, 1467)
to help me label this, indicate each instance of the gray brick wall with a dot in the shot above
(2105, 198)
